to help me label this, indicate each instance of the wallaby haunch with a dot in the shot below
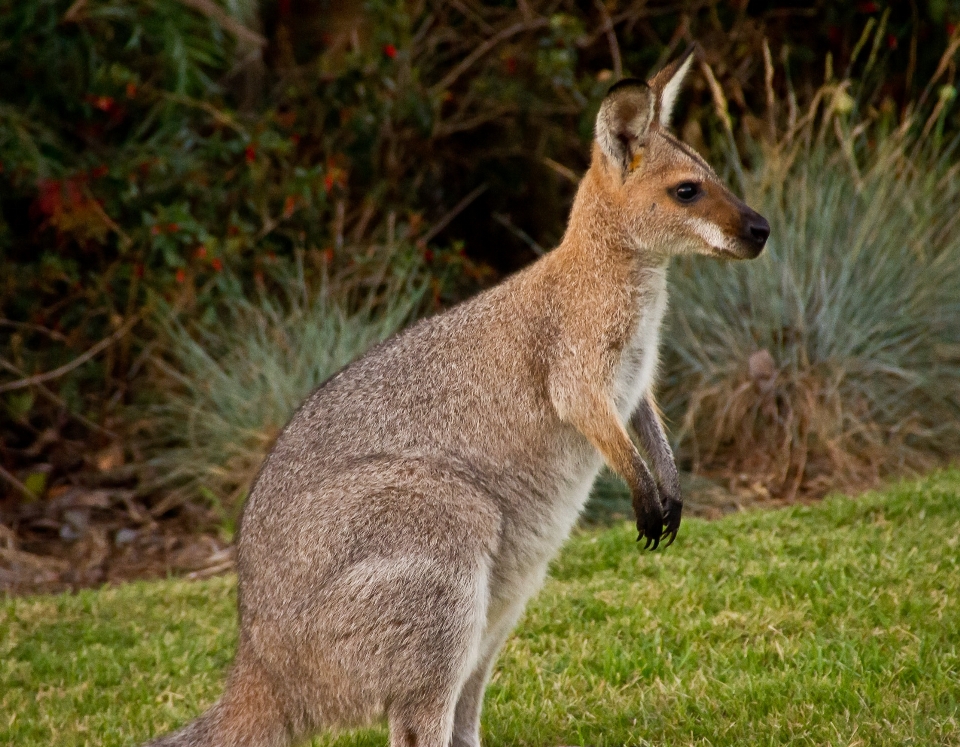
(410, 508)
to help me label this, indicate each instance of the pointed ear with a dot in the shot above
(623, 121)
(667, 83)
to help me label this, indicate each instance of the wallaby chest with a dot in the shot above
(635, 372)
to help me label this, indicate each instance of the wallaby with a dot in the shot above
(410, 508)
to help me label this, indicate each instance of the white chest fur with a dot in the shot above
(638, 362)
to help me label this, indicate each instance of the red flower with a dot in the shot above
(232, 230)
(295, 139)
(173, 227)
(155, 230)
(181, 275)
(328, 182)
(104, 103)
(250, 153)
(138, 269)
(428, 255)
(258, 276)
(289, 206)
(201, 252)
(891, 41)
(216, 264)
(131, 90)
(390, 51)
(328, 255)
(868, 7)
(99, 171)
(511, 65)
(951, 27)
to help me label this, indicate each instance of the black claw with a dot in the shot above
(656, 544)
(640, 536)
(672, 535)
(649, 540)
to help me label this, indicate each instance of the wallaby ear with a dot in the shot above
(667, 83)
(623, 121)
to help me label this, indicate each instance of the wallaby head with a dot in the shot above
(669, 198)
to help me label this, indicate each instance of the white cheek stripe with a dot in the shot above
(710, 233)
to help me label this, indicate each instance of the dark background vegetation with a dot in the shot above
(162, 160)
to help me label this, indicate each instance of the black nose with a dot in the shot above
(756, 229)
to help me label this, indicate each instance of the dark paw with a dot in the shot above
(672, 508)
(649, 513)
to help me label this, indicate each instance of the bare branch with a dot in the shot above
(565, 172)
(21, 488)
(480, 51)
(607, 27)
(452, 213)
(75, 363)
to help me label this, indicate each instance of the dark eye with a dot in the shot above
(687, 192)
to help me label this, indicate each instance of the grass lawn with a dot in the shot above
(836, 624)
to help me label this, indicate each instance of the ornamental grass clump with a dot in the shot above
(833, 359)
(229, 383)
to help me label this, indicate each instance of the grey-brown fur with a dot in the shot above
(410, 508)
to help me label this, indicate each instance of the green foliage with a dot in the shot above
(148, 151)
(819, 625)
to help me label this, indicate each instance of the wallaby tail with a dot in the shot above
(248, 715)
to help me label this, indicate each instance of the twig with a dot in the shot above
(942, 66)
(452, 213)
(60, 402)
(214, 12)
(504, 220)
(125, 241)
(73, 12)
(607, 27)
(768, 85)
(27, 493)
(525, 10)
(472, 15)
(224, 119)
(480, 51)
(51, 333)
(447, 129)
(681, 32)
(338, 221)
(76, 362)
(723, 112)
(566, 173)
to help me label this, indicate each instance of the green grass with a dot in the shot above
(834, 624)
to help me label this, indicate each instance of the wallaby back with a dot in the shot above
(410, 508)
